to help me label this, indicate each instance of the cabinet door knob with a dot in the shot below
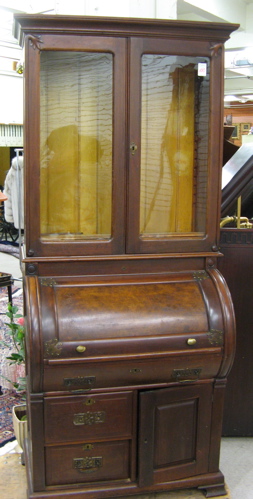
(80, 349)
(191, 341)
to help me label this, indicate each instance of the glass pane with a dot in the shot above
(174, 145)
(76, 145)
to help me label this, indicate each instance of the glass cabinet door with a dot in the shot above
(93, 192)
(81, 147)
(170, 201)
(76, 122)
(169, 149)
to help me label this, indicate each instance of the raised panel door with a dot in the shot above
(174, 433)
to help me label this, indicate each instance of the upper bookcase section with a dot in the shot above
(123, 135)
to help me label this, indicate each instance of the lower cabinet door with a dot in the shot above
(174, 434)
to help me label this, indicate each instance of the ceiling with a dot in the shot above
(238, 85)
(239, 49)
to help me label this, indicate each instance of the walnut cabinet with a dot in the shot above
(130, 326)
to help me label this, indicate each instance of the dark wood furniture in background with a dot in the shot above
(237, 180)
(237, 268)
(6, 280)
(130, 326)
(229, 148)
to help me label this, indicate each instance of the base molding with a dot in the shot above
(209, 485)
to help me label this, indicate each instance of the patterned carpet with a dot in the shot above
(7, 400)
(8, 397)
(10, 248)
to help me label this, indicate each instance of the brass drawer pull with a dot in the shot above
(89, 418)
(187, 375)
(80, 382)
(80, 349)
(87, 464)
(191, 341)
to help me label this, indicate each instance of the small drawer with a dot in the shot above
(90, 375)
(85, 417)
(88, 463)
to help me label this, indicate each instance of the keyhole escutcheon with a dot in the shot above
(133, 148)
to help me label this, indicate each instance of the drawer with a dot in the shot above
(88, 375)
(87, 463)
(88, 417)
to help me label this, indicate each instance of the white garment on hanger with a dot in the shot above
(13, 191)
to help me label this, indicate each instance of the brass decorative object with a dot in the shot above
(85, 382)
(191, 341)
(90, 401)
(53, 348)
(133, 148)
(215, 337)
(89, 418)
(187, 374)
(87, 464)
(200, 275)
(243, 222)
(88, 447)
(239, 221)
(48, 282)
(80, 349)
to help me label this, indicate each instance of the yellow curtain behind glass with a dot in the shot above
(76, 144)
(167, 158)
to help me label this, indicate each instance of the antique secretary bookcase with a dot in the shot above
(130, 326)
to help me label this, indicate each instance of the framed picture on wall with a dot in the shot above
(245, 127)
(236, 131)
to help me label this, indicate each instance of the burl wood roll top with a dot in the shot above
(89, 333)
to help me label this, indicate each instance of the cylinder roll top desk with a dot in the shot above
(130, 326)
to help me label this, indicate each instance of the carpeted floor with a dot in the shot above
(10, 248)
(9, 397)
